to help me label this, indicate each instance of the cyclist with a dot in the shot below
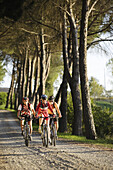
(56, 110)
(42, 110)
(26, 108)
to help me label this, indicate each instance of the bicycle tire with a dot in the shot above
(54, 135)
(46, 137)
(27, 142)
(43, 136)
(51, 136)
(27, 137)
(43, 141)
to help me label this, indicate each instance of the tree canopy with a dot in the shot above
(48, 37)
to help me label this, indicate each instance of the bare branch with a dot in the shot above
(100, 40)
(3, 33)
(102, 29)
(62, 9)
(101, 12)
(35, 33)
(31, 32)
(92, 6)
(39, 22)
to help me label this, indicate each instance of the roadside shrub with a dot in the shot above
(103, 121)
(103, 118)
(3, 98)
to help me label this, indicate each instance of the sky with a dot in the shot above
(96, 66)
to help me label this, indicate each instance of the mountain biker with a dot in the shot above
(25, 108)
(56, 110)
(42, 110)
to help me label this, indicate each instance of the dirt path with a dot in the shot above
(14, 155)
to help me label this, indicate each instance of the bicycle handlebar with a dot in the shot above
(50, 116)
(23, 117)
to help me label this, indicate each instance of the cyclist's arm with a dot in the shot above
(37, 110)
(49, 112)
(32, 109)
(19, 110)
(50, 108)
(18, 113)
(58, 110)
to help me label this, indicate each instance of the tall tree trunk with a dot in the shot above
(32, 76)
(20, 77)
(20, 84)
(74, 79)
(28, 77)
(48, 59)
(58, 95)
(11, 86)
(42, 64)
(16, 86)
(24, 72)
(63, 106)
(37, 74)
(87, 112)
(74, 83)
(11, 100)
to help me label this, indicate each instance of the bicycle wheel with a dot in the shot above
(46, 137)
(27, 142)
(54, 135)
(27, 137)
(43, 139)
(51, 136)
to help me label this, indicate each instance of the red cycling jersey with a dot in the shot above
(43, 108)
(25, 109)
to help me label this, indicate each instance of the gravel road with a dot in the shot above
(14, 155)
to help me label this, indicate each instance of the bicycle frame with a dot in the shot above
(26, 129)
(53, 131)
(44, 135)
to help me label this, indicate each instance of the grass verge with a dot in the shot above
(2, 107)
(107, 143)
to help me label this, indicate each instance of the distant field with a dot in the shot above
(105, 104)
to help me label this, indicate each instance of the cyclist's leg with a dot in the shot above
(40, 124)
(22, 126)
(30, 126)
(48, 123)
(56, 125)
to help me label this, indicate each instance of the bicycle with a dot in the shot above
(53, 131)
(26, 129)
(44, 135)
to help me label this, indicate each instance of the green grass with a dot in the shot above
(2, 107)
(105, 104)
(107, 143)
(35, 126)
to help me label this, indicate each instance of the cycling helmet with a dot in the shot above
(51, 98)
(25, 98)
(43, 96)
